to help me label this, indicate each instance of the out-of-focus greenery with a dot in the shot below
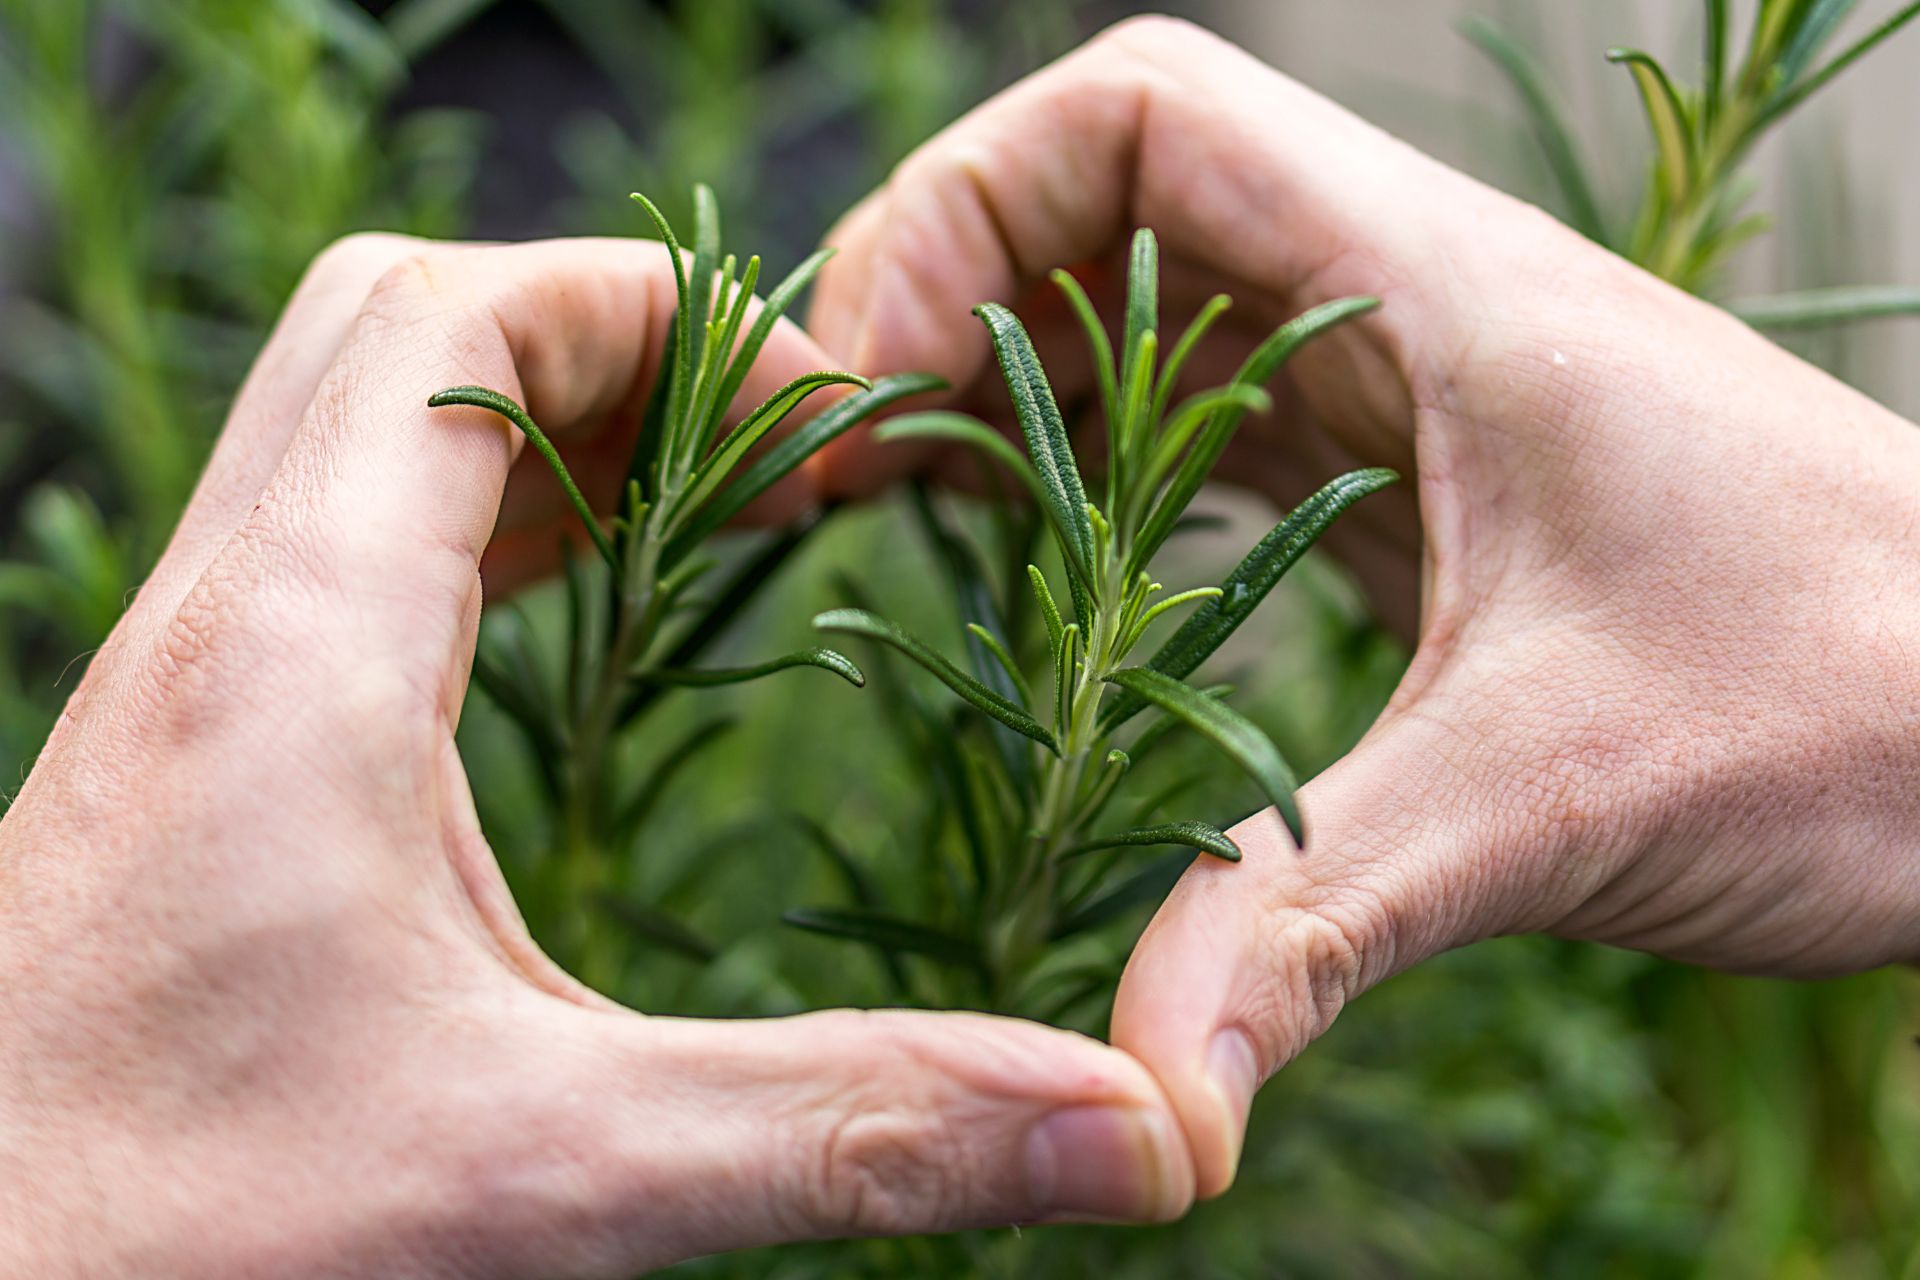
(1521, 1108)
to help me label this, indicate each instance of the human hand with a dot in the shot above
(266, 1007)
(1663, 576)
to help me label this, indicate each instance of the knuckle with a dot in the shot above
(422, 285)
(359, 259)
(880, 1171)
(1316, 958)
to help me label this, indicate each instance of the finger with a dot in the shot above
(1247, 964)
(278, 389)
(1124, 132)
(370, 531)
(679, 1138)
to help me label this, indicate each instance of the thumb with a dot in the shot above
(1246, 964)
(687, 1137)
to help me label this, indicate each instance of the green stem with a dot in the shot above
(588, 806)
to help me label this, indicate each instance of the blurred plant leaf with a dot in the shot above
(1818, 308)
(1148, 885)
(888, 933)
(1549, 120)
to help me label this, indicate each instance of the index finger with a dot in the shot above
(1155, 122)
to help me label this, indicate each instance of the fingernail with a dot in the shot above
(1101, 1164)
(1233, 1068)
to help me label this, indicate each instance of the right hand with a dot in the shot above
(1663, 576)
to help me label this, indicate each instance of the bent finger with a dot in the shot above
(687, 1137)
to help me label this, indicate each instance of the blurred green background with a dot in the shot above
(1522, 1108)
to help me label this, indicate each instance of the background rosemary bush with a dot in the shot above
(1522, 1108)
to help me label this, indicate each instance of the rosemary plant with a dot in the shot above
(633, 625)
(1044, 758)
(1692, 212)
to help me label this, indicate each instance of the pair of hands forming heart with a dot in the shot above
(267, 1008)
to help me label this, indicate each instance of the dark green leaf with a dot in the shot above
(753, 428)
(1148, 885)
(482, 398)
(1719, 25)
(861, 887)
(680, 382)
(776, 305)
(660, 929)
(1177, 358)
(825, 659)
(976, 605)
(1257, 371)
(889, 933)
(1157, 732)
(670, 764)
(1251, 581)
(1195, 835)
(861, 623)
(1233, 733)
(725, 607)
(783, 458)
(1046, 433)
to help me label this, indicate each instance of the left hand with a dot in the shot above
(266, 1007)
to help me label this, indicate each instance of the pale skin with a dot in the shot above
(1661, 577)
(267, 1009)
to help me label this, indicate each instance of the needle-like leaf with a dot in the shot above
(1177, 358)
(659, 929)
(777, 304)
(1233, 733)
(1719, 23)
(861, 623)
(706, 261)
(641, 468)
(825, 659)
(1257, 371)
(1049, 611)
(754, 427)
(1143, 300)
(889, 933)
(784, 457)
(1046, 434)
(482, 398)
(683, 352)
(1252, 579)
(1195, 835)
(1100, 346)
